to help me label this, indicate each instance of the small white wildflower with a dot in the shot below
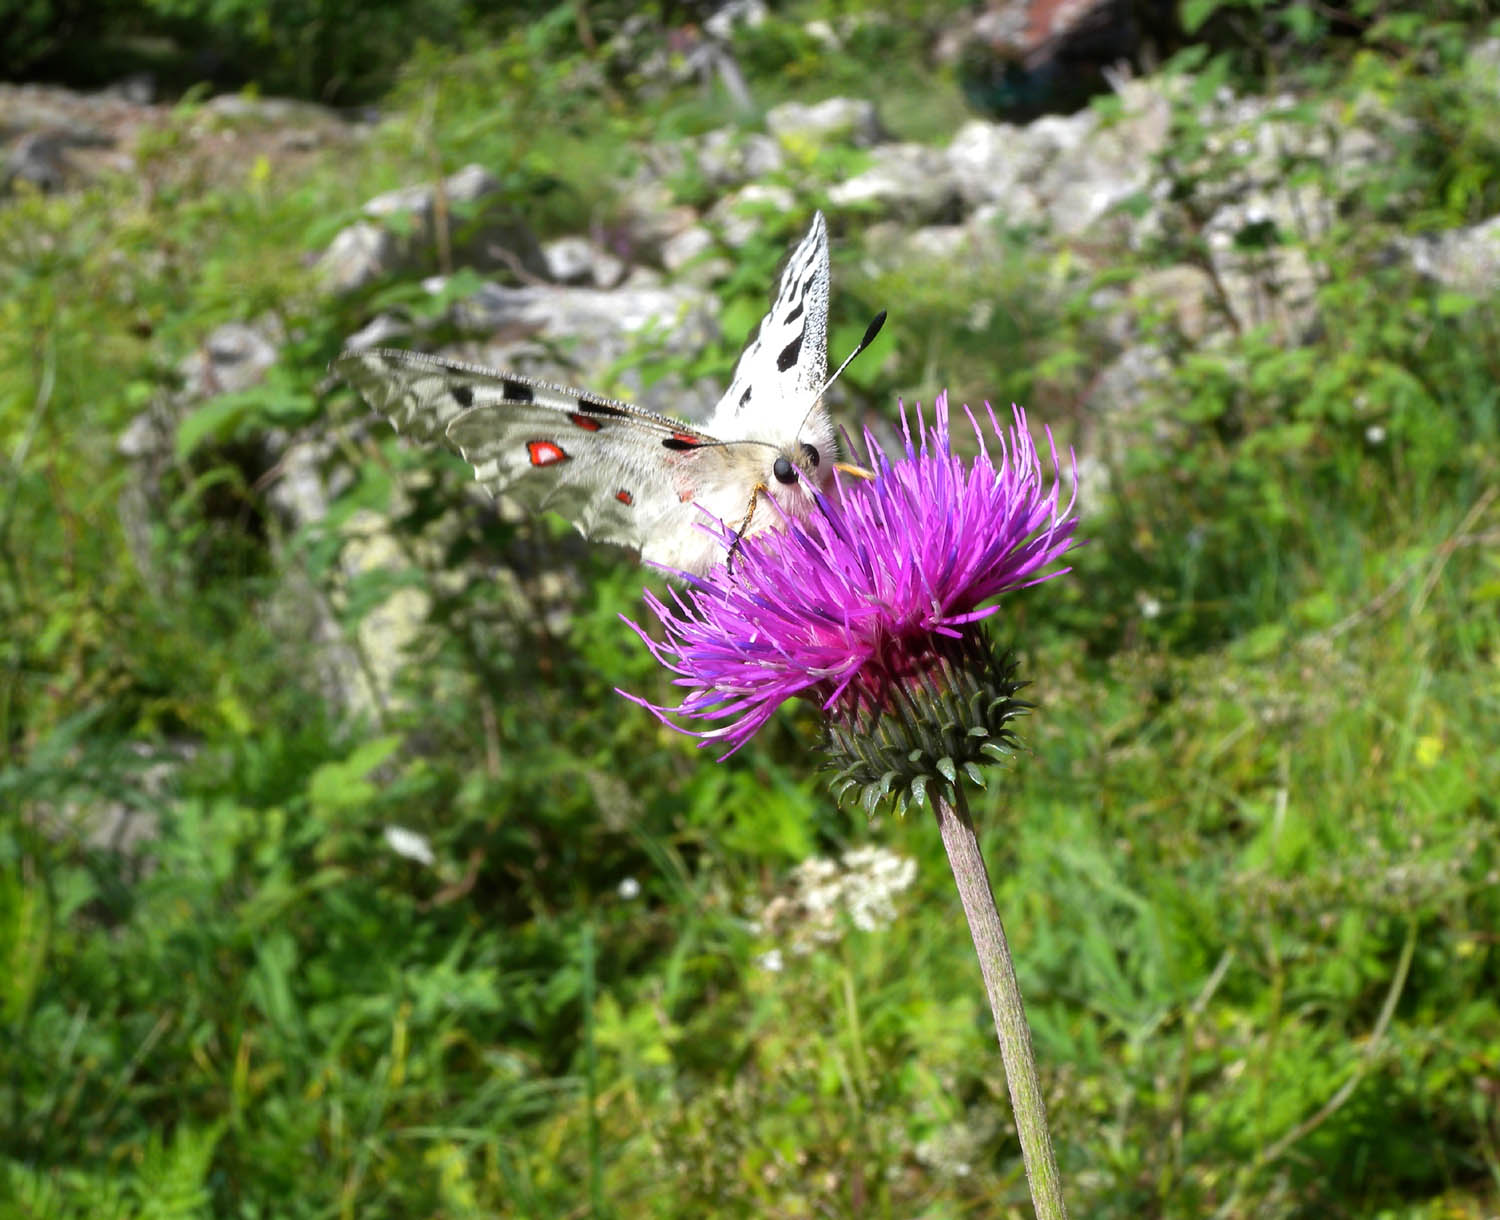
(410, 845)
(1374, 435)
(1150, 607)
(771, 960)
(875, 876)
(629, 889)
(823, 33)
(952, 1150)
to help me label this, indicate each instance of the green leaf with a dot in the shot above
(919, 790)
(343, 785)
(1195, 13)
(1262, 643)
(1454, 304)
(216, 418)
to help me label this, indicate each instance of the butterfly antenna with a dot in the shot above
(871, 331)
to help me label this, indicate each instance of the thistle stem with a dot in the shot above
(974, 891)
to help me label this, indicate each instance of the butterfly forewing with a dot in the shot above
(422, 394)
(621, 473)
(780, 373)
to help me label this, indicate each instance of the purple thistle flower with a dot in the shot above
(872, 601)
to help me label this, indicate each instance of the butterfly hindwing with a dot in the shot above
(617, 480)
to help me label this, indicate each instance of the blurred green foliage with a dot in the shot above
(1249, 868)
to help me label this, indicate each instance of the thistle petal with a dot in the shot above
(870, 607)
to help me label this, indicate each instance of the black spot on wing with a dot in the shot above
(516, 391)
(745, 397)
(601, 409)
(463, 395)
(790, 352)
(793, 316)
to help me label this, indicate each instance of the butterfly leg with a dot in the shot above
(739, 533)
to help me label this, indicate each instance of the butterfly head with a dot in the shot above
(810, 461)
(796, 463)
(796, 467)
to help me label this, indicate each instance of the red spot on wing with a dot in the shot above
(545, 453)
(584, 422)
(624, 497)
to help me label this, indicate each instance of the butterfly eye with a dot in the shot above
(811, 454)
(784, 471)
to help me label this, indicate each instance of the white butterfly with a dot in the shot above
(627, 475)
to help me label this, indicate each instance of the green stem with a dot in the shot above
(1004, 993)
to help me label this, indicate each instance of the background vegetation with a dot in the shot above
(1249, 865)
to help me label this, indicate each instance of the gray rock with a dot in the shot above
(740, 216)
(987, 161)
(143, 779)
(138, 88)
(379, 330)
(1128, 380)
(729, 17)
(688, 256)
(938, 244)
(596, 328)
(1482, 67)
(1276, 287)
(838, 120)
(401, 233)
(727, 158)
(570, 260)
(890, 245)
(234, 357)
(244, 107)
(577, 260)
(40, 157)
(1247, 177)
(357, 256)
(823, 33)
(1465, 260)
(649, 218)
(911, 182)
(1021, 209)
(383, 633)
(302, 491)
(1092, 166)
(1185, 294)
(468, 185)
(38, 160)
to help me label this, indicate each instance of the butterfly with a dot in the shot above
(626, 475)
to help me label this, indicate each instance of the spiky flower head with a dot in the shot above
(872, 608)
